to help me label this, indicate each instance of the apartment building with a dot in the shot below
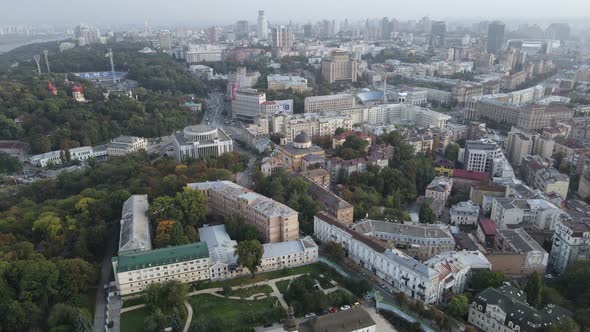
(274, 221)
(417, 240)
(571, 243)
(547, 179)
(332, 204)
(329, 103)
(464, 213)
(439, 188)
(529, 116)
(507, 212)
(315, 125)
(478, 156)
(515, 253)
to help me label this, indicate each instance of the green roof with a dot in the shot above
(162, 256)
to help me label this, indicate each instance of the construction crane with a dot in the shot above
(37, 58)
(110, 56)
(46, 54)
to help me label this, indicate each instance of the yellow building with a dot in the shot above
(292, 153)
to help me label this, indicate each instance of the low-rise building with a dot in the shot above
(123, 145)
(353, 320)
(486, 233)
(134, 234)
(201, 141)
(517, 254)
(186, 263)
(505, 310)
(431, 281)
(274, 221)
(417, 240)
(331, 203)
(463, 180)
(328, 103)
(277, 82)
(464, 213)
(439, 188)
(507, 212)
(571, 243)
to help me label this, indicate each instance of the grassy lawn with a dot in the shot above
(132, 302)
(325, 282)
(317, 267)
(283, 285)
(235, 313)
(132, 321)
(246, 292)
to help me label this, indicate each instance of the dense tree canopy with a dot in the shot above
(249, 254)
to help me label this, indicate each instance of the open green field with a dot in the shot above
(132, 321)
(317, 267)
(235, 313)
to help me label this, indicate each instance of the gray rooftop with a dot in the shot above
(368, 227)
(135, 226)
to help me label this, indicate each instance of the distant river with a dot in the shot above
(10, 46)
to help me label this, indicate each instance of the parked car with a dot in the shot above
(345, 307)
(310, 315)
(333, 310)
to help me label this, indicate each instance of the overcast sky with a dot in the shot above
(227, 11)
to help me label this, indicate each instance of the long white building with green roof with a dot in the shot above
(185, 263)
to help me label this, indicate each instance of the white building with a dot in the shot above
(313, 124)
(428, 282)
(571, 243)
(203, 53)
(479, 155)
(277, 82)
(60, 156)
(186, 263)
(123, 145)
(464, 213)
(201, 141)
(536, 211)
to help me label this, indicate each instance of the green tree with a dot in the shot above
(339, 131)
(534, 289)
(426, 214)
(249, 254)
(458, 306)
(166, 297)
(165, 208)
(335, 251)
(452, 152)
(565, 324)
(483, 279)
(193, 204)
(67, 318)
(75, 276)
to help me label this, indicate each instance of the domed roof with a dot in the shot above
(302, 138)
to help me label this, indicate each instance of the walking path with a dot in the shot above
(189, 316)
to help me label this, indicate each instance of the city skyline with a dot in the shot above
(227, 11)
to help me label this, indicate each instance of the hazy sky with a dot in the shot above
(227, 11)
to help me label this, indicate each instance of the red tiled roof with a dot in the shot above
(488, 226)
(345, 134)
(471, 175)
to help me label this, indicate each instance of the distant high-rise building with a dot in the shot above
(165, 40)
(213, 33)
(308, 31)
(385, 29)
(242, 29)
(282, 37)
(558, 31)
(438, 32)
(87, 35)
(495, 37)
(262, 28)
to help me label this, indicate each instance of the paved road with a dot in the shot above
(105, 275)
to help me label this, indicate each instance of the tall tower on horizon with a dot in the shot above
(262, 27)
(495, 37)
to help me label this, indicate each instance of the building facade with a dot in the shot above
(571, 242)
(274, 221)
(201, 141)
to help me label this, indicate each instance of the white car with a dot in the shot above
(344, 307)
(310, 315)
